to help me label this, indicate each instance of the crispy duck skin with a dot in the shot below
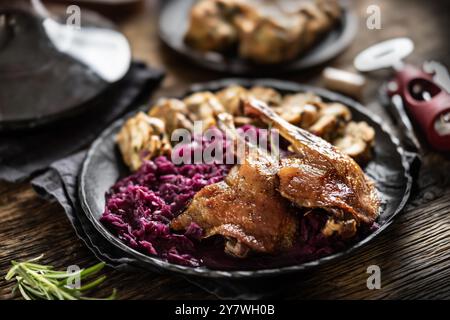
(319, 175)
(246, 208)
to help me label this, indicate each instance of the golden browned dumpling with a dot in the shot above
(317, 23)
(212, 24)
(300, 109)
(141, 138)
(357, 141)
(333, 118)
(268, 95)
(173, 112)
(231, 98)
(204, 107)
(272, 39)
(264, 31)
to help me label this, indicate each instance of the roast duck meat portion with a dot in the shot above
(253, 207)
(319, 175)
(246, 207)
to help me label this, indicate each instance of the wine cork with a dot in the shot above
(345, 82)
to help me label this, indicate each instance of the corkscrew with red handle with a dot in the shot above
(423, 92)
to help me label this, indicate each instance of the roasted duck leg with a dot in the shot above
(245, 208)
(319, 175)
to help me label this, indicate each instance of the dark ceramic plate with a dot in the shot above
(174, 20)
(390, 169)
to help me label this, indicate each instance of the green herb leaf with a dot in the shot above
(36, 281)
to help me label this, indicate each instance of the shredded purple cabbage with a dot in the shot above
(140, 207)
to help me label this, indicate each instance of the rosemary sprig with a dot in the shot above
(37, 281)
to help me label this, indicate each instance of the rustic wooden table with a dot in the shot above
(413, 254)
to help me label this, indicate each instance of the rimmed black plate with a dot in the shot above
(174, 20)
(390, 169)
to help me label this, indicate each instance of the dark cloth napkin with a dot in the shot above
(24, 153)
(60, 183)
